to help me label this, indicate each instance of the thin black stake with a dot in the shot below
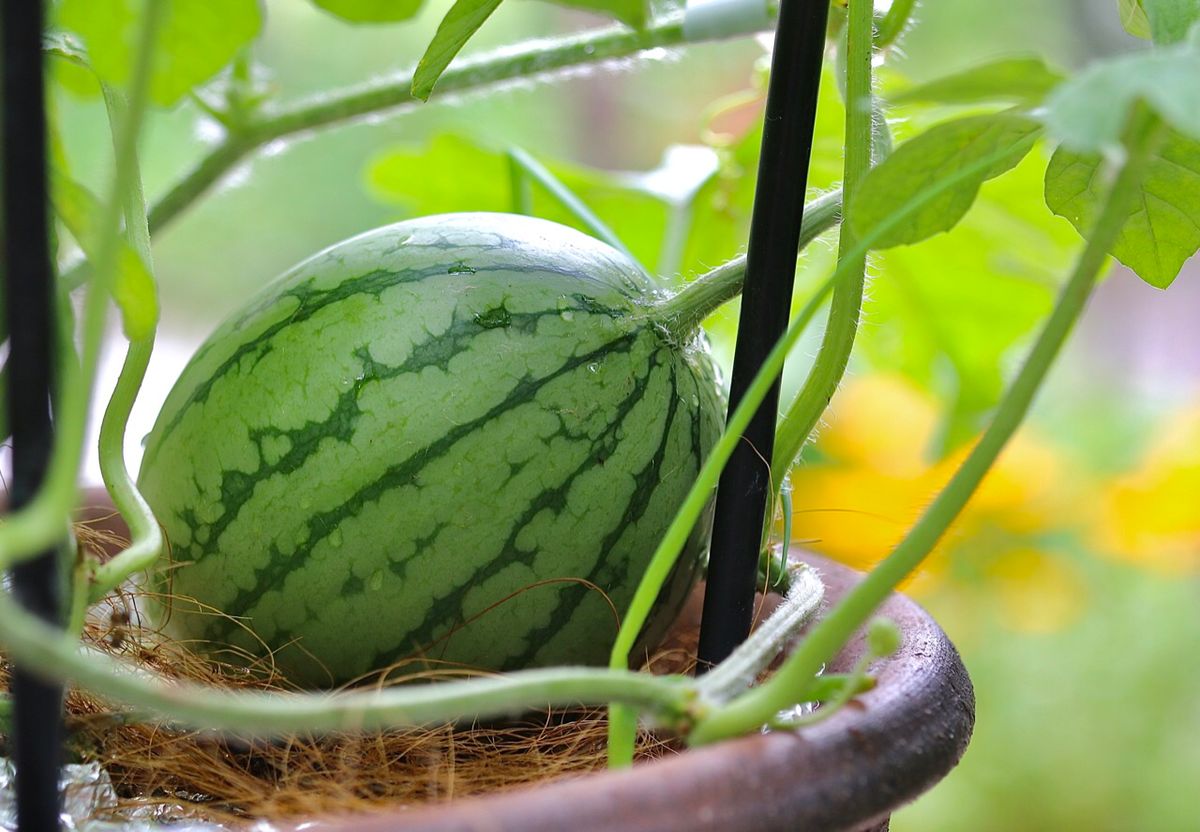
(770, 270)
(29, 305)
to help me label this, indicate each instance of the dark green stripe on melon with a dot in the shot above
(414, 426)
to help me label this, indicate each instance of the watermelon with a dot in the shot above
(454, 440)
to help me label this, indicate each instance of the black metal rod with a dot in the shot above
(29, 308)
(766, 299)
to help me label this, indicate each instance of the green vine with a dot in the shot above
(756, 707)
(44, 521)
(147, 540)
(621, 721)
(682, 313)
(674, 702)
(834, 355)
(731, 677)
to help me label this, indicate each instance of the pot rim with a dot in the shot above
(844, 774)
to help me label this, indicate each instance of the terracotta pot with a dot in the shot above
(846, 774)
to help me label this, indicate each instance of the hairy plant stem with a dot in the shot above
(838, 341)
(622, 722)
(393, 95)
(146, 542)
(793, 679)
(674, 702)
(47, 651)
(731, 677)
(682, 313)
(76, 724)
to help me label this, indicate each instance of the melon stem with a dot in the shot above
(682, 313)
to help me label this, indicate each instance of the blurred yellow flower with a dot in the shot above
(874, 479)
(1151, 515)
(1035, 591)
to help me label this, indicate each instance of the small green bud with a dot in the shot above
(883, 637)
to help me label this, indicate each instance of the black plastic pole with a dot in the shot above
(766, 299)
(29, 302)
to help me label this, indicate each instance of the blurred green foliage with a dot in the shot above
(1092, 727)
(947, 312)
(197, 39)
(454, 174)
(1088, 112)
(1023, 79)
(371, 11)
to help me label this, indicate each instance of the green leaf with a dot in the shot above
(884, 637)
(54, 141)
(63, 45)
(371, 11)
(466, 16)
(133, 288)
(1162, 231)
(1089, 112)
(197, 39)
(633, 13)
(135, 295)
(460, 23)
(1004, 138)
(1133, 18)
(453, 174)
(71, 67)
(1170, 20)
(1021, 80)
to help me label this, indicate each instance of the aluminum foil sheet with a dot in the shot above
(90, 805)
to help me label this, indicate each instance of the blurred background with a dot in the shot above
(1071, 583)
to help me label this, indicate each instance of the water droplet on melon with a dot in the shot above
(494, 318)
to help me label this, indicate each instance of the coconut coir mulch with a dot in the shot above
(208, 777)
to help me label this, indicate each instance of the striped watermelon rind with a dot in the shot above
(455, 439)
